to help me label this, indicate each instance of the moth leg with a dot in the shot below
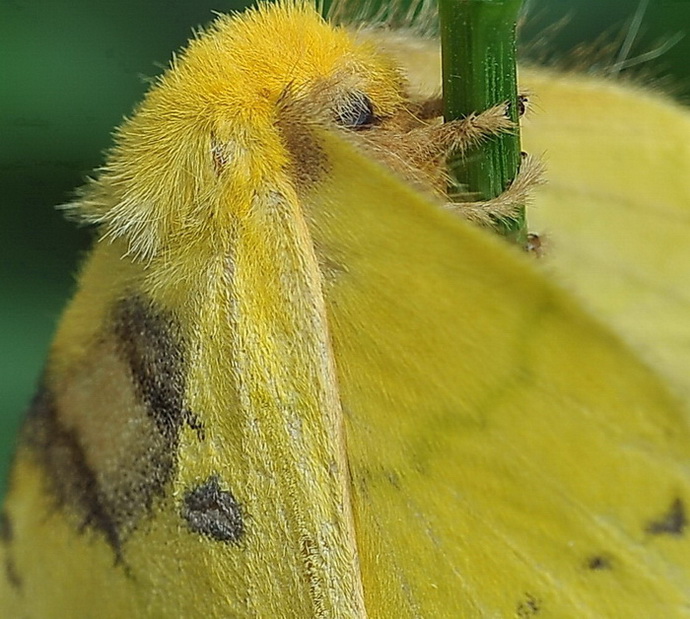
(433, 107)
(417, 145)
(507, 204)
(432, 142)
(419, 152)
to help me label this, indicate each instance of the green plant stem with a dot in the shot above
(478, 39)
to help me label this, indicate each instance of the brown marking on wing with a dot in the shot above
(107, 435)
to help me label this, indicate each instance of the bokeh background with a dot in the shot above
(70, 71)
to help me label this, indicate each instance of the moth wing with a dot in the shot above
(617, 208)
(509, 456)
(184, 459)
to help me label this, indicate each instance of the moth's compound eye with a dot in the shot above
(355, 112)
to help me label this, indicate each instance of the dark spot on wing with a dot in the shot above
(673, 522)
(213, 512)
(6, 537)
(111, 451)
(530, 606)
(599, 562)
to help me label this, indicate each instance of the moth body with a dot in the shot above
(280, 389)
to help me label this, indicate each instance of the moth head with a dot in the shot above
(220, 123)
(289, 63)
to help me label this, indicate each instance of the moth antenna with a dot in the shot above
(629, 41)
(652, 54)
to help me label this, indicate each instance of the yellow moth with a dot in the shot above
(292, 384)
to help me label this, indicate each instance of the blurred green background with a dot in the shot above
(69, 72)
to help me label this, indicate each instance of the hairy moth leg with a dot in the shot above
(505, 205)
(419, 146)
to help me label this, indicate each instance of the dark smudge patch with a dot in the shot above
(72, 480)
(6, 538)
(599, 562)
(530, 606)
(213, 512)
(150, 343)
(108, 436)
(673, 522)
(12, 575)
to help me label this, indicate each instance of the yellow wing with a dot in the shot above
(509, 456)
(617, 208)
(169, 471)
